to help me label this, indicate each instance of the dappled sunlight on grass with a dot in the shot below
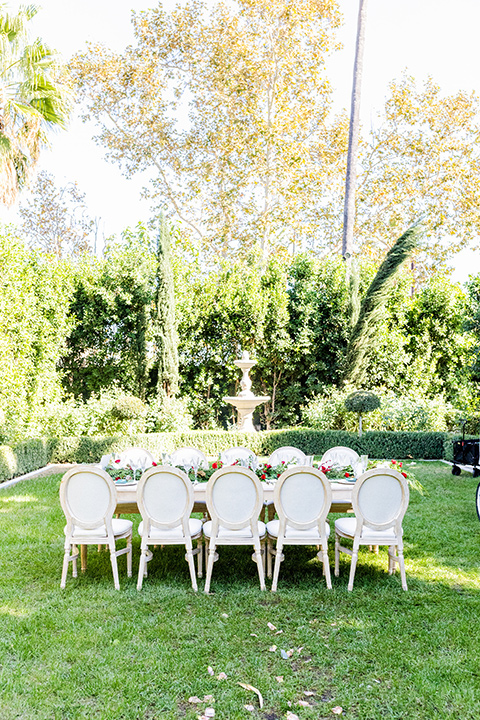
(14, 611)
(7, 503)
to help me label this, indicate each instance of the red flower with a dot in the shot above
(117, 460)
(117, 478)
(214, 465)
(154, 464)
(400, 464)
(283, 462)
(324, 469)
(263, 477)
(347, 474)
(404, 474)
(267, 467)
(394, 462)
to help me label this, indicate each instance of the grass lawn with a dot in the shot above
(92, 652)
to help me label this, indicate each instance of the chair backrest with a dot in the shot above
(88, 497)
(303, 496)
(287, 455)
(165, 497)
(339, 457)
(136, 457)
(183, 457)
(380, 499)
(228, 457)
(234, 497)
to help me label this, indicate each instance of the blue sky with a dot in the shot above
(428, 37)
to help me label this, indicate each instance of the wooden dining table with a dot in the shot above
(127, 497)
(127, 502)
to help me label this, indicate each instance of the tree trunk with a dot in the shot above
(351, 178)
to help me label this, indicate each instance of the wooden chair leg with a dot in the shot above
(211, 560)
(83, 557)
(191, 565)
(337, 555)
(258, 558)
(113, 560)
(353, 565)
(200, 557)
(141, 568)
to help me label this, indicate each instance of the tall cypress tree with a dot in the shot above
(165, 328)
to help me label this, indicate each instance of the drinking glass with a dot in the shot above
(195, 463)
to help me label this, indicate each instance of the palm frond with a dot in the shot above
(374, 302)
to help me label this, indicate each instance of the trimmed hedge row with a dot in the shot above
(33, 454)
(23, 457)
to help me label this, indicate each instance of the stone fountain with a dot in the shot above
(246, 402)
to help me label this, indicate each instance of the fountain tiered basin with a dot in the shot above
(246, 402)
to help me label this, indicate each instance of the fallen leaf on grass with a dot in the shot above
(224, 615)
(303, 703)
(337, 710)
(210, 670)
(271, 626)
(194, 699)
(292, 716)
(253, 689)
(250, 708)
(222, 676)
(308, 693)
(279, 678)
(208, 698)
(253, 635)
(209, 712)
(286, 654)
(279, 632)
(272, 648)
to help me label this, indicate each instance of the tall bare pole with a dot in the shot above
(351, 179)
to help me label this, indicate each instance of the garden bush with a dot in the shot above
(23, 457)
(404, 413)
(33, 454)
(312, 442)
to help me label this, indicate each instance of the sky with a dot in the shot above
(425, 37)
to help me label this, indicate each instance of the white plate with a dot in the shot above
(125, 484)
(342, 481)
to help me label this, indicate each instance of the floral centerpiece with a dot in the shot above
(124, 474)
(337, 473)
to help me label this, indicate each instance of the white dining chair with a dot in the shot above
(302, 497)
(379, 500)
(287, 455)
(188, 457)
(243, 455)
(165, 501)
(137, 458)
(234, 501)
(339, 457)
(88, 499)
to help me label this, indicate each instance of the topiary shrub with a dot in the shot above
(361, 402)
(128, 407)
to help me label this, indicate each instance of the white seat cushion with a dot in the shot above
(119, 528)
(176, 533)
(225, 532)
(346, 527)
(309, 536)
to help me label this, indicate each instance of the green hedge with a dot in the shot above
(33, 454)
(376, 444)
(23, 458)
